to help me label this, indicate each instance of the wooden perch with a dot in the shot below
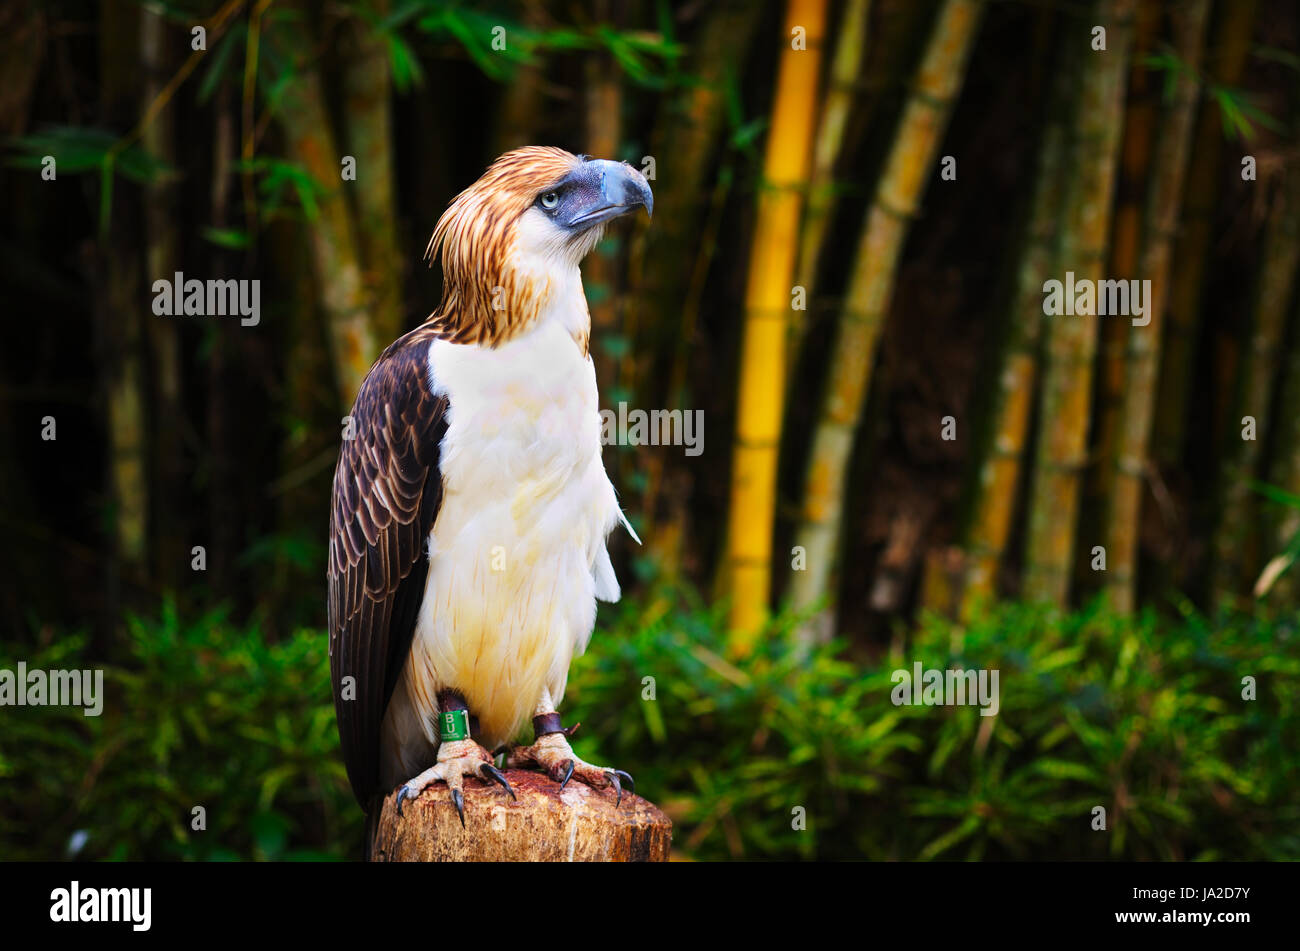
(580, 824)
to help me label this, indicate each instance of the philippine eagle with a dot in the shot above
(471, 506)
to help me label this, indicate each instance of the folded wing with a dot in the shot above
(387, 491)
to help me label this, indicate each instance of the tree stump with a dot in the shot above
(580, 824)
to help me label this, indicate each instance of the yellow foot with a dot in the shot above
(555, 756)
(456, 760)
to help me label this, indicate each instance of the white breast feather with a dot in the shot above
(517, 554)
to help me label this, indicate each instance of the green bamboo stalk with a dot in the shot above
(601, 272)
(167, 463)
(521, 100)
(866, 302)
(688, 132)
(120, 271)
(999, 474)
(1230, 45)
(1071, 342)
(1141, 119)
(310, 141)
(1281, 532)
(829, 142)
(660, 319)
(368, 132)
(1137, 405)
(1233, 535)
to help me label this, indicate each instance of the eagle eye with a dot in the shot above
(550, 200)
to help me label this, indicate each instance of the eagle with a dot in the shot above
(471, 507)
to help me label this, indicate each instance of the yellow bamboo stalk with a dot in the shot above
(767, 310)
(1137, 404)
(866, 301)
(1072, 340)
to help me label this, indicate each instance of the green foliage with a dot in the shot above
(82, 150)
(498, 44)
(87, 150)
(1285, 560)
(204, 714)
(278, 179)
(1145, 718)
(1237, 108)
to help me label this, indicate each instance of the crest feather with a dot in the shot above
(474, 239)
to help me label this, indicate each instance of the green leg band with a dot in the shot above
(454, 725)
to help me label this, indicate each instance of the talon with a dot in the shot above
(627, 778)
(403, 793)
(568, 774)
(488, 771)
(459, 799)
(618, 788)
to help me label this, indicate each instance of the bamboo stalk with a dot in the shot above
(767, 310)
(600, 277)
(1225, 61)
(1285, 474)
(1259, 364)
(310, 141)
(1137, 406)
(1141, 118)
(688, 131)
(167, 462)
(119, 269)
(994, 506)
(522, 104)
(224, 438)
(368, 131)
(866, 301)
(660, 320)
(1071, 342)
(841, 91)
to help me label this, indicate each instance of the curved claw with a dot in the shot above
(459, 799)
(568, 774)
(618, 788)
(627, 778)
(488, 771)
(403, 793)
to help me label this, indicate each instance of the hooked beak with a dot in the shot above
(612, 189)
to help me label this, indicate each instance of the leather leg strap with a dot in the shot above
(545, 723)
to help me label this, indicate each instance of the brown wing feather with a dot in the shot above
(387, 491)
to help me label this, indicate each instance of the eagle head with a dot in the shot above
(511, 243)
